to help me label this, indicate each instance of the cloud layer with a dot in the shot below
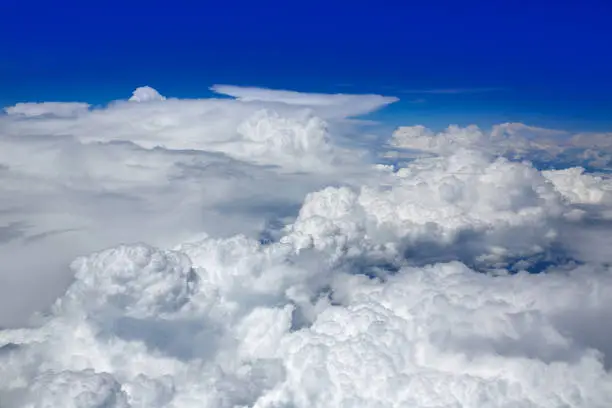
(546, 147)
(76, 179)
(284, 268)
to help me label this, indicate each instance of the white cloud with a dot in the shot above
(462, 206)
(325, 105)
(423, 139)
(592, 140)
(229, 126)
(82, 389)
(515, 140)
(146, 94)
(581, 188)
(441, 335)
(445, 336)
(283, 268)
(58, 109)
(158, 171)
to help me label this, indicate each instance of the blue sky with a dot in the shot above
(462, 62)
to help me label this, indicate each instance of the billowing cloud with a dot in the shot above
(146, 94)
(461, 207)
(76, 179)
(267, 129)
(246, 253)
(547, 147)
(272, 325)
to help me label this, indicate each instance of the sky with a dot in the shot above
(467, 62)
(273, 205)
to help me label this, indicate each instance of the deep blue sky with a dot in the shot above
(549, 64)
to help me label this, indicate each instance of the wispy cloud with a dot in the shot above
(450, 91)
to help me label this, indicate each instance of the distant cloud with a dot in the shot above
(516, 140)
(146, 94)
(59, 109)
(325, 105)
(450, 91)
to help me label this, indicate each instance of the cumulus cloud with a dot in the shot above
(463, 207)
(146, 94)
(440, 334)
(230, 126)
(546, 147)
(58, 109)
(581, 188)
(76, 179)
(246, 252)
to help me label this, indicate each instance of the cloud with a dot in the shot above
(76, 389)
(247, 252)
(451, 91)
(146, 94)
(345, 105)
(227, 126)
(546, 147)
(58, 109)
(463, 207)
(581, 188)
(436, 334)
(447, 336)
(160, 170)
(592, 140)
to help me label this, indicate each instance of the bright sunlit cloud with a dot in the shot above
(251, 252)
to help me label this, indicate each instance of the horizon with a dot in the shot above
(477, 62)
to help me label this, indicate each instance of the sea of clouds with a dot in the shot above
(262, 248)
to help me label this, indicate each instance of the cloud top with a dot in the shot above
(247, 252)
(346, 105)
(146, 94)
